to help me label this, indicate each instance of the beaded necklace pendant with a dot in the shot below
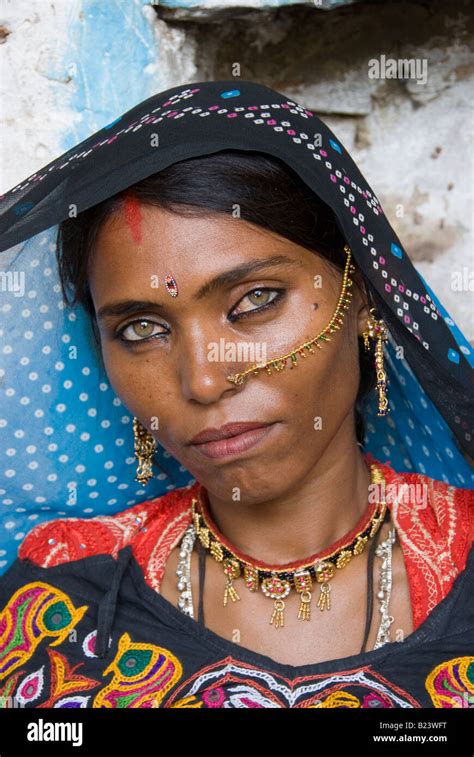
(276, 588)
(277, 584)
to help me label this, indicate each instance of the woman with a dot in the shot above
(288, 330)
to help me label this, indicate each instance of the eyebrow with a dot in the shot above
(231, 276)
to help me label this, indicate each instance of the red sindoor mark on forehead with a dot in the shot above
(133, 216)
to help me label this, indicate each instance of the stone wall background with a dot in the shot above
(68, 67)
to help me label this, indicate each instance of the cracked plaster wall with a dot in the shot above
(68, 67)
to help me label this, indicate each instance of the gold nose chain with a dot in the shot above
(275, 581)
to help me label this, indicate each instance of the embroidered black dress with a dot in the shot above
(93, 633)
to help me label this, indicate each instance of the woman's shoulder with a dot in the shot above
(434, 519)
(66, 539)
(416, 496)
(434, 522)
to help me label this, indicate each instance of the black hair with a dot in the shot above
(265, 191)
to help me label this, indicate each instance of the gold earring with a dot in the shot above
(334, 324)
(377, 330)
(144, 445)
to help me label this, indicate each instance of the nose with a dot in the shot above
(203, 369)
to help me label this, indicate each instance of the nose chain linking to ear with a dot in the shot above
(279, 363)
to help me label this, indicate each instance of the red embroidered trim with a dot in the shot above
(435, 538)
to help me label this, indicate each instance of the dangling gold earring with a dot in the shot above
(376, 329)
(145, 446)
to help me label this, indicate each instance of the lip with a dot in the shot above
(224, 432)
(232, 439)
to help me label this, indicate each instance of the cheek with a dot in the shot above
(136, 383)
(323, 393)
(118, 371)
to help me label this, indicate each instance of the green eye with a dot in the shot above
(261, 297)
(139, 331)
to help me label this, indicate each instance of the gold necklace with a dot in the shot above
(276, 581)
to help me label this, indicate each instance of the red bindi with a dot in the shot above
(133, 216)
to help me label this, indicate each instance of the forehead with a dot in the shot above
(184, 226)
(145, 240)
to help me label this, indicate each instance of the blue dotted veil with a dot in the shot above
(66, 439)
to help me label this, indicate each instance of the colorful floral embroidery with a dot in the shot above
(6, 691)
(451, 683)
(30, 688)
(142, 675)
(88, 645)
(230, 683)
(36, 611)
(65, 680)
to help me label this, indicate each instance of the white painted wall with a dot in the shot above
(68, 67)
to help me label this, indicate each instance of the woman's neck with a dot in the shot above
(324, 507)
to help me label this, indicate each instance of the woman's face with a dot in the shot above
(245, 295)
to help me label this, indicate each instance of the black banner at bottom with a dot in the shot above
(29, 731)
